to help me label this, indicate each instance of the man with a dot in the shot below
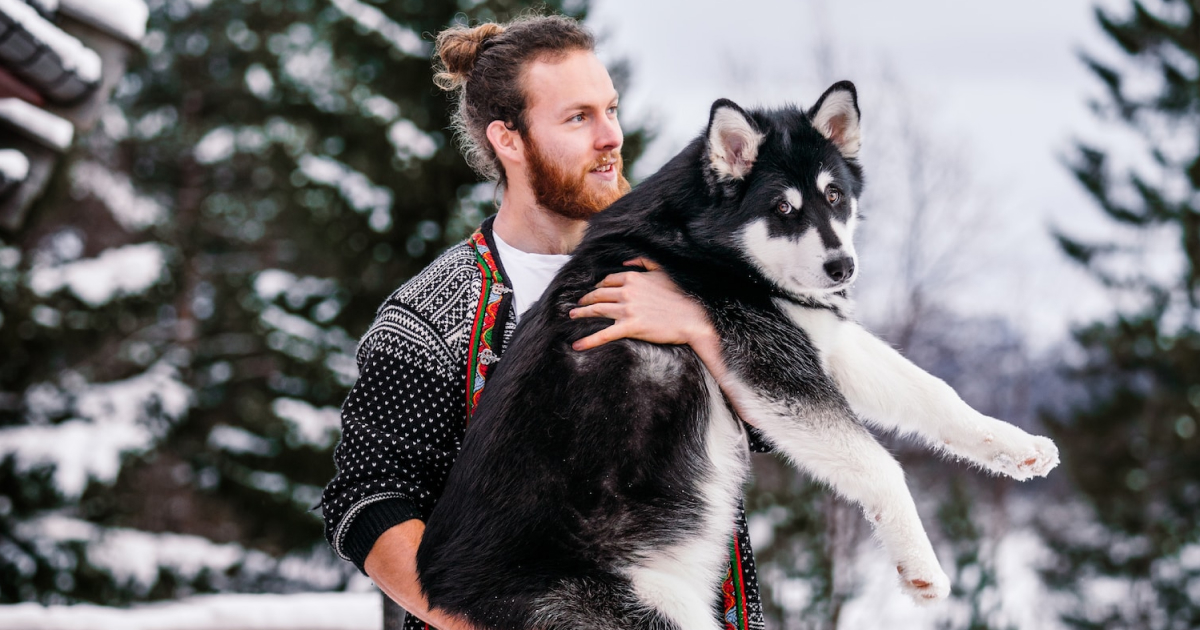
(537, 112)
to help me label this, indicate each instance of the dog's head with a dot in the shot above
(791, 181)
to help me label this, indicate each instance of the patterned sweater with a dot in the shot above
(404, 420)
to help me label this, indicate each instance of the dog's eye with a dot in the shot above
(784, 207)
(833, 195)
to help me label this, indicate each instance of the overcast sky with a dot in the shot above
(1001, 83)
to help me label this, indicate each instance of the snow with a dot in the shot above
(76, 58)
(358, 191)
(269, 284)
(259, 81)
(137, 559)
(403, 39)
(14, 166)
(307, 611)
(308, 425)
(45, 7)
(116, 272)
(111, 420)
(124, 18)
(216, 146)
(44, 127)
(134, 557)
(238, 441)
(130, 209)
(293, 325)
(381, 108)
(409, 141)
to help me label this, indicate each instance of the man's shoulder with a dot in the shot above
(429, 315)
(444, 280)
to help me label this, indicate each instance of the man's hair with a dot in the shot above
(484, 66)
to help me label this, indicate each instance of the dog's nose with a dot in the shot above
(839, 269)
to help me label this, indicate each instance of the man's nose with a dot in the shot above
(608, 134)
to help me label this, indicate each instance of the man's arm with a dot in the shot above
(392, 565)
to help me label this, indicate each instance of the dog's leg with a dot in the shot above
(891, 392)
(830, 444)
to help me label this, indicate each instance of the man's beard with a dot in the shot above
(569, 194)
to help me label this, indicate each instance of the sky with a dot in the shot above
(1000, 85)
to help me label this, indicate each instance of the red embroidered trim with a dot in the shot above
(479, 353)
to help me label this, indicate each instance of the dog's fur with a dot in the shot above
(598, 489)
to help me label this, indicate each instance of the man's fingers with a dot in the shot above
(599, 338)
(601, 309)
(615, 279)
(643, 262)
(601, 295)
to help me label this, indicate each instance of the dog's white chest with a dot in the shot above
(680, 579)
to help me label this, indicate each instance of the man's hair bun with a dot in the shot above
(456, 49)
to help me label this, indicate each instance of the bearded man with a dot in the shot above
(537, 113)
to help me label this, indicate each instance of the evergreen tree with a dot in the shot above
(180, 314)
(1130, 442)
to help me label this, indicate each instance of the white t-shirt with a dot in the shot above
(529, 274)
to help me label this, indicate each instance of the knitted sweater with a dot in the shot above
(404, 420)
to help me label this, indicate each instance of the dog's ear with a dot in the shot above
(836, 116)
(733, 140)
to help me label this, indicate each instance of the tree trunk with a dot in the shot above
(393, 614)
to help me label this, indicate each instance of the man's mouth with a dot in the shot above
(603, 168)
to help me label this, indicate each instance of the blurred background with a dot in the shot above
(202, 202)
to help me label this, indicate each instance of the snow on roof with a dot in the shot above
(403, 39)
(132, 210)
(358, 191)
(45, 7)
(124, 18)
(14, 166)
(39, 124)
(310, 611)
(307, 424)
(116, 272)
(76, 58)
(114, 419)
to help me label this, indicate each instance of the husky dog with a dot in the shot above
(598, 489)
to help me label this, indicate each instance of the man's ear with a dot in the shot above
(836, 116)
(733, 140)
(506, 142)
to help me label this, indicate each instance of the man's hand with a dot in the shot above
(392, 565)
(647, 305)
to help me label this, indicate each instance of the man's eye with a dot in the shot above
(833, 195)
(577, 118)
(612, 110)
(784, 207)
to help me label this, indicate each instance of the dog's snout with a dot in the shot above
(840, 269)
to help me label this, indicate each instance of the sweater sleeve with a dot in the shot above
(404, 419)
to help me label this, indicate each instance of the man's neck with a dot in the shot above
(525, 225)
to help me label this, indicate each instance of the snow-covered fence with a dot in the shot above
(301, 611)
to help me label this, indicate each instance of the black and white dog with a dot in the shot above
(597, 489)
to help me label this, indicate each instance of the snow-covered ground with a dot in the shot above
(301, 611)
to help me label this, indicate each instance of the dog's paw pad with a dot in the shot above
(924, 585)
(1026, 457)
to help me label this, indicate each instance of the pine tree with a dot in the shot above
(180, 315)
(1130, 442)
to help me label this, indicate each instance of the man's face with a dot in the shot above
(573, 140)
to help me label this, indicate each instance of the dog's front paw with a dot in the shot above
(924, 581)
(1023, 456)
